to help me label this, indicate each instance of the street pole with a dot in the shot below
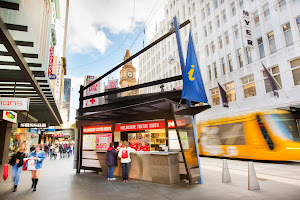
(188, 102)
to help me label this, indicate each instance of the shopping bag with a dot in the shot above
(25, 164)
(31, 165)
(5, 171)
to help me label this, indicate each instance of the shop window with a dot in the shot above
(256, 18)
(266, 12)
(220, 42)
(203, 14)
(298, 23)
(230, 62)
(241, 3)
(287, 34)
(282, 5)
(207, 50)
(236, 31)
(240, 57)
(218, 21)
(249, 86)
(209, 72)
(261, 47)
(215, 96)
(216, 4)
(223, 65)
(230, 91)
(249, 55)
(271, 42)
(227, 37)
(205, 31)
(295, 65)
(274, 71)
(224, 16)
(215, 69)
(233, 9)
(208, 9)
(210, 27)
(212, 47)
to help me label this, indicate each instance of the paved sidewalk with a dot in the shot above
(58, 181)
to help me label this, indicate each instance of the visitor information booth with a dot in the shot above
(172, 153)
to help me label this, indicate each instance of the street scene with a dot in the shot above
(150, 99)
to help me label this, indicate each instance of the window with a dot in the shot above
(203, 14)
(193, 6)
(236, 31)
(224, 16)
(205, 31)
(209, 72)
(241, 3)
(274, 71)
(261, 48)
(210, 27)
(195, 21)
(230, 91)
(233, 9)
(215, 96)
(223, 65)
(218, 21)
(271, 42)
(230, 62)
(220, 42)
(207, 50)
(222, 1)
(216, 4)
(249, 86)
(256, 18)
(227, 37)
(240, 57)
(248, 54)
(266, 12)
(295, 65)
(298, 24)
(212, 47)
(287, 34)
(208, 9)
(215, 69)
(282, 5)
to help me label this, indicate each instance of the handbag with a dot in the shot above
(5, 171)
(25, 164)
(31, 165)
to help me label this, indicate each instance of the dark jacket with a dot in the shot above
(111, 157)
(18, 155)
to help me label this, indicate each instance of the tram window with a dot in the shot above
(265, 133)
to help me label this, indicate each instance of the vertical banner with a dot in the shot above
(112, 83)
(51, 54)
(58, 79)
(93, 89)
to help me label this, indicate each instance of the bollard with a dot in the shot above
(225, 174)
(252, 179)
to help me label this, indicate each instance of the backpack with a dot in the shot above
(125, 153)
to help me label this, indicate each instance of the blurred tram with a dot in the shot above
(265, 135)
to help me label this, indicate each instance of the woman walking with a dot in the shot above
(124, 154)
(111, 161)
(17, 163)
(39, 157)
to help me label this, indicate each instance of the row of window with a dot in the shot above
(248, 83)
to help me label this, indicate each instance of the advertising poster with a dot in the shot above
(96, 141)
(173, 140)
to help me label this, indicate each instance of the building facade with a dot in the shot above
(232, 40)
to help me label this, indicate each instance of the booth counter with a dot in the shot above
(157, 167)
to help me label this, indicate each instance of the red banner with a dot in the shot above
(97, 129)
(141, 126)
(51, 55)
(180, 123)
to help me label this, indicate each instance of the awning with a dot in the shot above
(22, 70)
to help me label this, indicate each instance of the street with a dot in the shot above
(59, 181)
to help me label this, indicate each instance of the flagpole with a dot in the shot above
(188, 102)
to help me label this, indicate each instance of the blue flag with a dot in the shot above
(193, 88)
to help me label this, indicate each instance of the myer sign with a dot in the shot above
(33, 125)
(12, 103)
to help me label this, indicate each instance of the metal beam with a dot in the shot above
(14, 51)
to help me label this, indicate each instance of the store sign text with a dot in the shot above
(12, 103)
(98, 129)
(141, 126)
(33, 125)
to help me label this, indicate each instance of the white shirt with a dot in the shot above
(129, 150)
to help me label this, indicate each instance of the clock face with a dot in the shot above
(129, 74)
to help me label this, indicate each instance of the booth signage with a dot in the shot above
(10, 116)
(180, 123)
(97, 129)
(140, 126)
(12, 103)
(33, 125)
(57, 135)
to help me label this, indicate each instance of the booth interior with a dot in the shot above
(148, 118)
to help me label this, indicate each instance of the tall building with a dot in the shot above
(128, 76)
(232, 40)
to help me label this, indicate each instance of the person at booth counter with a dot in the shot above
(111, 161)
(124, 154)
(133, 144)
(39, 157)
(121, 145)
(144, 147)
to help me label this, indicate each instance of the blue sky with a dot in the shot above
(99, 34)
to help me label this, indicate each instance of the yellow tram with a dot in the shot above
(265, 135)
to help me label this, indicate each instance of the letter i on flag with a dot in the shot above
(223, 96)
(272, 81)
(193, 88)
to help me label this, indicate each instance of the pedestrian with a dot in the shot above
(143, 147)
(120, 145)
(56, 151)
(60, 151)
(51, 151)
(111, 161)
(32, 148)
(124, 154)
(46, 148)
(17, 162)
(38, 156)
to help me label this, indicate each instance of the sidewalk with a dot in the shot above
(58, 180)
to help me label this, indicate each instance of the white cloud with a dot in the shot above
(87, 19)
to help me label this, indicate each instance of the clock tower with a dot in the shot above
(128, 76)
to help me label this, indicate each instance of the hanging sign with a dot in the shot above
(33, 125)
(141, 126)
(13, 103)
(10, 116)
(97, 129)
(51, 55)
(180, 123)
(248, 41)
